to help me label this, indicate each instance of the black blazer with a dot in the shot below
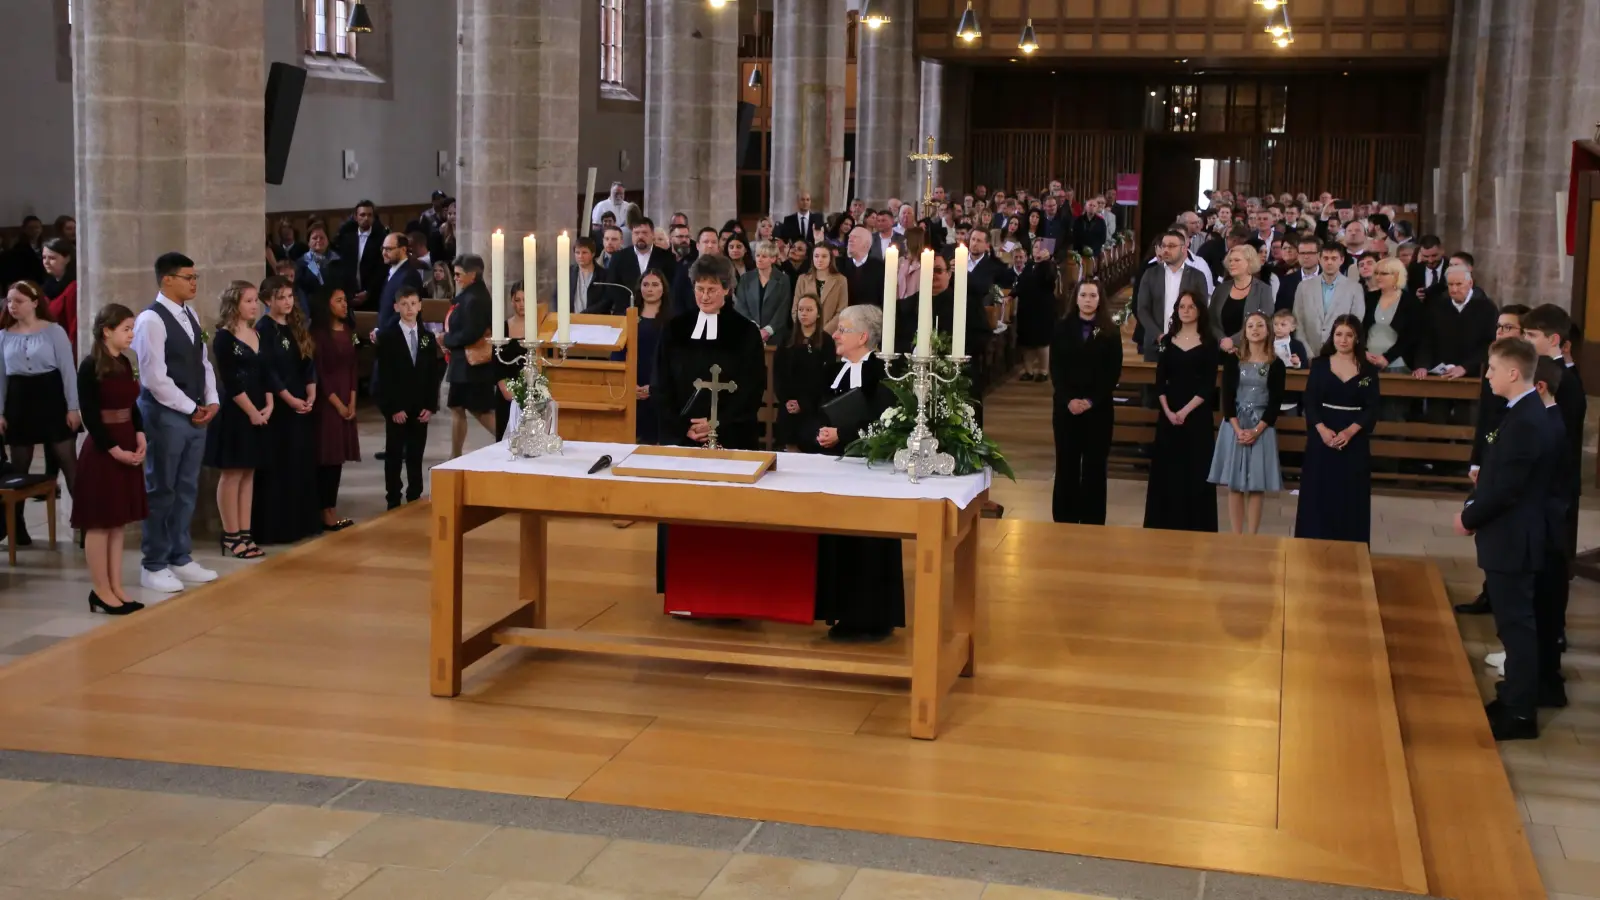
(865, 281)
(1085, 370)
(1491, 409)
(372, 272)
(789, 229)
(292, 252)
(988, 273)
(402, 277)
(1407, 323)
(1287, 283)
(1462, 338)
(1089, 234)
(1416, 280)
(468, 324)
(625, 269)
(1507, 508)
(403, 386)
(1213, 252)
(598, 299)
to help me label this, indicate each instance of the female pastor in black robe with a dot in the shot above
(860, 582)
(711, 334)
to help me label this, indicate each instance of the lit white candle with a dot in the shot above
(530, 281)
(925, 305)
(497, 284)
(891, 294)
(958, 302)
(563, 288)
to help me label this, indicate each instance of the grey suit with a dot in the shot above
(1258, 300)
(1151, 303)
(1313, 321)
(771, 311)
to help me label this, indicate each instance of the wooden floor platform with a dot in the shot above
(1206, 701)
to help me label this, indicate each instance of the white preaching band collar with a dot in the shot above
(854, 368)
(705, 327)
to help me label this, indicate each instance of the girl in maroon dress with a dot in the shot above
(337, 442)
(110, 478)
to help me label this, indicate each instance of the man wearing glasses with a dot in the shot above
(177, 399)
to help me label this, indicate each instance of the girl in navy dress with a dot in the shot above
(111, 464)
(235, 438)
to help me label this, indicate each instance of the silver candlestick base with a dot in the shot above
(534, 435)
(921, 455)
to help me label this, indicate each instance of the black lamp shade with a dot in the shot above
(968, 29)
(360, 19)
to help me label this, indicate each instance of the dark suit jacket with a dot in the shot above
(1507, 508)
(1286, 287)
(468, 324)
(625, 269)
(404, 386)
(291, 252)
(600, 299)
(1213, 252)
(20, 263)
(988, 273)
(1089, 234)
(1416, 279)
(402, 277)
(1459, 338)
(789, 229)
(865, 281)
(369, 270)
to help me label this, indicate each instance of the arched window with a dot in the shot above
(327, 23)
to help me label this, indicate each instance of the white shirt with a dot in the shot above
(617, 208)
(1201, 266)
(1173, 282)
(1430, 276)
(394, 268)
(705, 328)
(361, 248)
(805, 224)
(853, 369)
(644, 260)
(150, 349)
(410, 331)
(972, 261)
(1513, 401)
(862, 261)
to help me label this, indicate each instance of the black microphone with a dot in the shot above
(603, 462)
(692, 398)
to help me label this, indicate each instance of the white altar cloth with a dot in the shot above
(796, 473)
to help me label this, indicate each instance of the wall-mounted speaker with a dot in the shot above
(285, 85)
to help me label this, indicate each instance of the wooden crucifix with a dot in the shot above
(927, 159)
(716, 386)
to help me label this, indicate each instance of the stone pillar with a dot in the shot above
(808, 64)
(167, 112)
(690, 113)
(930, 122)
(517, 115)
(1520, 89)
(888, 105)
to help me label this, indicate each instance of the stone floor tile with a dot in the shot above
(1569, 876)
(16, 893)
(1543, 840)
(70, 809)
(538, 890)
(421, 884)
(407, 841)
(274, 877)
(525, 855)
(165, 870)
(657, 869)
(296, 830)
(1579, 843)
(44, 859)
(874, 884)
(1547, 810)
(181, 818)
(751, 877)
(1007, 892)
(12, 792)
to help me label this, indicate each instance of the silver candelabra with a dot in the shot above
(534, 434)
(921, 454)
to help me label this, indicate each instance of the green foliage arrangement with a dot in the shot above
(951, 418)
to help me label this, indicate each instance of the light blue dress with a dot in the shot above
(1253, 468)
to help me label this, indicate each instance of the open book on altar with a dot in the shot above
(697, 464)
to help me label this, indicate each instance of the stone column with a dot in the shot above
(808, 65)
(888, 105)
(930, 122)
(167, 112)
(517, 116)
(690, 112)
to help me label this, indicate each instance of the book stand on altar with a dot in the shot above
(595, 393)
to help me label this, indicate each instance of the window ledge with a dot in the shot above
(610, 91)
(339, 69)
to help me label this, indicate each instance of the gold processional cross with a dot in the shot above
(927, 159)
(716, 386)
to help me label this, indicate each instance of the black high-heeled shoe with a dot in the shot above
(96, 605)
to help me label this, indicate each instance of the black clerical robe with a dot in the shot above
(860, 583)
(682, 358)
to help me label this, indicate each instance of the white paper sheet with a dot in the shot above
(601, 335)
(796, 473)
(701, 464)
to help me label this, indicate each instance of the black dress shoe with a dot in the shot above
(1511, 728)
(851, 634)
(1552, 696)
(1478, 607)
(381, 454)
(96, 605)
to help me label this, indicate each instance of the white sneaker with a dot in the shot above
(193, 573)
(163, 581)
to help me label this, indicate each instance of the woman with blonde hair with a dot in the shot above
(1239, 295)
(234, 438)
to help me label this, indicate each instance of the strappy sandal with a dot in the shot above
(251, 549)
(341, 525)
(235, 544)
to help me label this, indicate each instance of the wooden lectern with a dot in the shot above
(595, 393)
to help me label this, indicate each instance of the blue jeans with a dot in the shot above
(174, 447)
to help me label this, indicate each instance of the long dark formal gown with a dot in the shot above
(647, 425)
(682, 358)
(285, 508)
(1036, 304)
(1179, 497)
(336, 437)
(860, 580)
(1336, 485)
(797, 375)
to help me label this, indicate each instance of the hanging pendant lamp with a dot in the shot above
(1029, 41)
(873, 15)
(1278, 22)
(360, 20)
(968, 29)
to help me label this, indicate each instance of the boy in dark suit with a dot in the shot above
(1546, 326)
(408, 394)
(1507, 513)
(1550, 590)
(1490, 411)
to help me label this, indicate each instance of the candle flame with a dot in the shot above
(499, 232)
